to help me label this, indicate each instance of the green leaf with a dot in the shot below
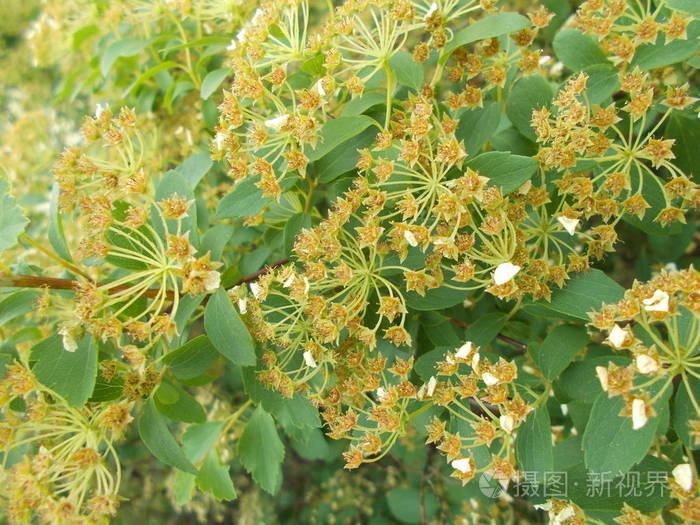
(576, 50)
(16, 304)
(533, 444)
(175, 403)
(70, 374)
(527, 94)
(213, 477)
(344, 157)
(294, 225)
(191, 359)
(476, 126)
(579, 381)
(121, 48)
(199, 439)
(687, 6)
(261, 452)
(12, 218)
(193, 169)
(405, 504)
(684, 411)
(226, 331)
(685, 130)
(159, 441)
(603, 82)
(488, 27)
(335, 132)
(55, 226)
(503, 169)
(212, 81)
(296, 412)
(558, 349)
(359, 105)
(583, 293)
(610, 444)
(245, 200)
(435, 299)
(215, 239)
(408, 72)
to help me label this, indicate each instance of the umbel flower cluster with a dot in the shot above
(396, 224)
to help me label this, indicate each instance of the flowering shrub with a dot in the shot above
(448, 246)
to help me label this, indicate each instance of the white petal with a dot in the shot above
(617, 336)
(290, 281)
(381, 394)
(319, 88)
(475, 360)
(242, 305)
(277, 123)
(99, 109)
(231, 46)
(646, 364)
(602, 374)
(309, 359)
(410, 238)
(639, 414)
(505, 272)
(506, 423)
(683, 475)
(257, 290)
(568, 224)
(463, 465)
(464, 350)
(657, 302)
(432, 383)
(69, 343)
(212, 280)
(489, 379)
(566, 513)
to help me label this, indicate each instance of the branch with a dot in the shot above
(514, 342)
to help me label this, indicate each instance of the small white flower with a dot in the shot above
(433, 8)
(410, 238)
(381, 394)
(449, 359)
(211, 280)
(639, 413)
(232, 46)
(683, 475)
(505, 272)
(464, 465)
(309, 359)
(243, 305)
(565, 514)
(464, 350)
(256, 290)
(319, 88)
(565, 408)
(69, 343)
(525, 188)
(506, 423)
(657, 302)
(646, 364)
(432, 383)
(475, 360)
(617, 336)
(219, 140)
(99, 109)
(568, 224)
(277, 123)
(289, 281)
(489, 379)
(544, 59)
(307, 285)
(602, 374)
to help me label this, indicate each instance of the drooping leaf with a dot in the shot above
(214, 477)
(157, 438)
(176, 404)
(15, 304)
(226, 331)
(121, 48)
(408, 72)
(70, 374)
(261, 452)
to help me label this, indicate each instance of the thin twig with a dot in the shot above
(514, 342)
